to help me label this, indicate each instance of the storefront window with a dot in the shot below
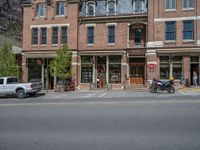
(34, 69)
(175, 63)
(164, 71)
(115, 69)
(86, 69)
(194, 59)
(177, 67)
(164, 67)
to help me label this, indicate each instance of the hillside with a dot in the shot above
(10, 22)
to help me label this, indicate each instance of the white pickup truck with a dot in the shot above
(11, 86)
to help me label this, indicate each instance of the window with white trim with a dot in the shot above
(64, 35)
(55, 35)
(139, 6)
(34, 40)
(111, 34)
(90, 8)
(188, 4)
(60, 7)
(43, 37)
(188, 30)
(40, 10)
(170, 5)
(170, 31)
(90, 35)
(111, 7)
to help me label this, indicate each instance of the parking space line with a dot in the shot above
(103, 94)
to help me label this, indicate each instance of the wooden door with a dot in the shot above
(137, 73)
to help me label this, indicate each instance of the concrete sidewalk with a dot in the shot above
(191, 89)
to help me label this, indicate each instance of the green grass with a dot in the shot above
(4, 40)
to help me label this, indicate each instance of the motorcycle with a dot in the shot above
(158, 85)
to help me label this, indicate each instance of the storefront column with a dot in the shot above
(128, 28)
(75, 67)
(170, 70)
(107, 69)
(186, 67)
(42, 71)
(94, 70)
(124, 68)
(151, 58)
(24, 68)
(54, 82)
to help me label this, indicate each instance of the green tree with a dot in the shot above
(61, 65)
(8, 65)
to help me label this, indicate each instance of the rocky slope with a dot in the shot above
(11, 19)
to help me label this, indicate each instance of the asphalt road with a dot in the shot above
(159, 123)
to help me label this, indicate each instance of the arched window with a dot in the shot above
(139, 6)
(90, 8)
(111, 7)
(60, 7)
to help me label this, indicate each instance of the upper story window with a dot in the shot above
(60, 7)
(55, 35)
(170, 5)
(90, 35)
(40, 10)
(111, 7)
(188, 4)
(111, 34)
(188, 27)
(139, 6)
(43, 36)
(63, 35)
(170, 30)
(34, 40)
(90, 8)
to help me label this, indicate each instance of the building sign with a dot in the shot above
(151, 66)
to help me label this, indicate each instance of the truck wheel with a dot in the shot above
(21, 94)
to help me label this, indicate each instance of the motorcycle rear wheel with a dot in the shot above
(170, 89)
(152, 89)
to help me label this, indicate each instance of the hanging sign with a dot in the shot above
(151, 66)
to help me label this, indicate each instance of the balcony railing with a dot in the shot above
(133, 44)
(139, 11)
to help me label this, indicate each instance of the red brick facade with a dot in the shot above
(135, 57)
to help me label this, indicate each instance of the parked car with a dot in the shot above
(11, 86)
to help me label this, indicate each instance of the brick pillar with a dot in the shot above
(124, 66)
(151, 58)
(75, 67)
(24, 69)
(186, 67)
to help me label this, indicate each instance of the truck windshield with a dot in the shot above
(12, 80)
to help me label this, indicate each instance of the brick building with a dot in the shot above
(125, 43)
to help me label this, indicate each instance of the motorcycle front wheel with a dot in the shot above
(152, 89)
(170, 89)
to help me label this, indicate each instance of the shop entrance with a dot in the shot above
(101, 71)
(137, 70)
(194, 67)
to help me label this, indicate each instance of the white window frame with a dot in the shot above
(107, 8)
(188, 4)
(58, 4)
(170, 5)
(143, 2)
(87, 5)
(38, 10)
